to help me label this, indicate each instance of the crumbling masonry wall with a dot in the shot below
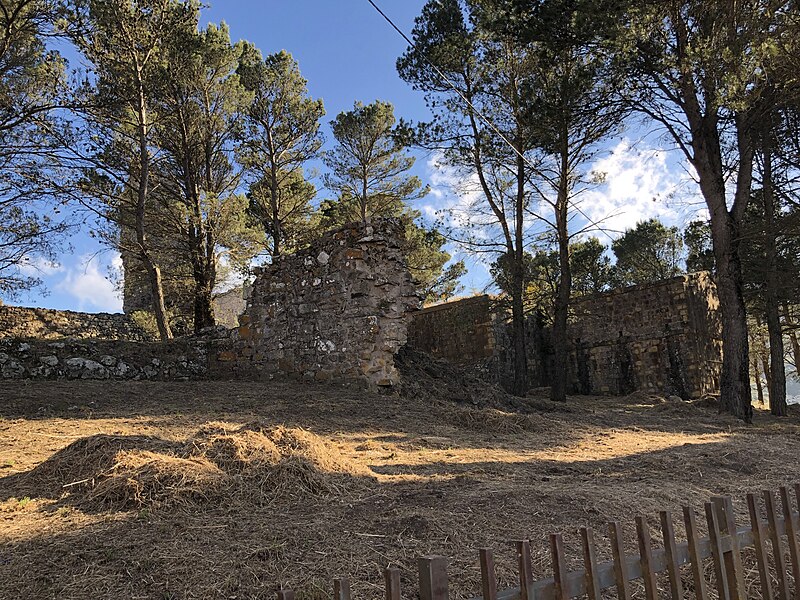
(461, 332)
(336, 310)
(47, 324)
(476, 332)
(664, 337)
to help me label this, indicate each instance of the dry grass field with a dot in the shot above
(228, 490)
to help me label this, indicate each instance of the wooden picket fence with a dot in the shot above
(724, 546)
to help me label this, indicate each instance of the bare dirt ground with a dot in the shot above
(192, 490)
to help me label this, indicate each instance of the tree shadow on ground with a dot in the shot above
(239, 545)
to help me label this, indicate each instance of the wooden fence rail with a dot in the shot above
(724, 543)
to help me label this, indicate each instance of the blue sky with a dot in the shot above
(347, 52)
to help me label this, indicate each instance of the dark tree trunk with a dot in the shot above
(735, 381)
(558, 388)
(777, 389)
(520, 387)
(790, 324)
(153, 270)
(759, 386)
(735, 394)
(698, 101)
(518, 301)
(204, 271)
(203, 307)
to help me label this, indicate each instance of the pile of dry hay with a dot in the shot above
(104, 472)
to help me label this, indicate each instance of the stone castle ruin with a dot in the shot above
(342, 308)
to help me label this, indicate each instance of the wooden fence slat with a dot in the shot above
(590, 563)
(646, 556)
(341, 588)
(525, 569)
(693, 541)
(760, 545)
(777, 545)
(791, 535)
(733, 557)
(559, 566)
(488, 577)
(392, 579)
(433, 583)
(715, 536)
(671, 549)
(618, 552)
(285, 595)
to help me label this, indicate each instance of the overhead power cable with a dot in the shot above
(472, 107)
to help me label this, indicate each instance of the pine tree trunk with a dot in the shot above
(153, 270)
(520, 386)
(735, 394)
(790, 324)
(558, 388)
(735, 381)
(777, 390)
(203, 307)
(757, 377)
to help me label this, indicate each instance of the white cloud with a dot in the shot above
(37, 266)
(456, 200)
(641, 182)
(91, 288)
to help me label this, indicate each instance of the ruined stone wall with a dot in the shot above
(44, 323)
(663, 337)
(179, 360)
(477, 332)
(461, 331)
(338, 309)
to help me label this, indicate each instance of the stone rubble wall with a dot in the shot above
(476, 331)
(664, 337)
(45, 323)
(460, 331)
(336, 310)
(179, 360)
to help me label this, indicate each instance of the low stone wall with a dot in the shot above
(178, 360)
(45, 323)
(336, 310)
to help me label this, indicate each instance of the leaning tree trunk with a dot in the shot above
(157, 293)
(767, 371)
(153, 270)
(777, 389)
